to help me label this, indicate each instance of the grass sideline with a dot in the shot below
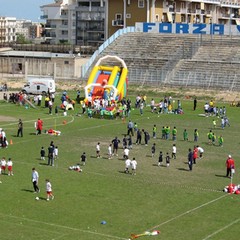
(181, 204)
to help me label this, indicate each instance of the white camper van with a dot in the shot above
(38, 85)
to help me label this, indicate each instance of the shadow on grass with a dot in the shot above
(32, 133)
(27, 190)
(183, 169)
(217, 175)
(45, 164)
(156, 165)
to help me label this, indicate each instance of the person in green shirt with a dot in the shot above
(195, 135)
(154, 131)
(220, 141)
(210, 135)
(185, 135)
(174, 134)
(167, 131)
(213, 139)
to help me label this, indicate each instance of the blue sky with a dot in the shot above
(23, 9)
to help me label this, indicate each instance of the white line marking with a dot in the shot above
(187, 212)
(62, 226)
(36, 228)
(221, 229)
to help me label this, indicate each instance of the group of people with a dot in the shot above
(212, 138)
(6, 165)
(52, 154)
(35, 181)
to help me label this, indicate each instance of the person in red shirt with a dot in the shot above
(39, 126)
(195, 154)
(230, 165)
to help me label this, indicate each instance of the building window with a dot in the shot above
(141, 3)
(118, 16)
(66, 62)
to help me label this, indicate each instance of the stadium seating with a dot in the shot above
(179, 60)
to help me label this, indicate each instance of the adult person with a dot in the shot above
(115, 143)
(39, 99)
(39, 126)
(35, 178)
(139, 137)
(130, 127)
(20, 128)
(190, 159)
(50, 155)
(230, 164)
(194, 104)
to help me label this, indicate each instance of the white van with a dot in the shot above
(38, 85)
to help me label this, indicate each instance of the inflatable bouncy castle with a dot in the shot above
(107, 82)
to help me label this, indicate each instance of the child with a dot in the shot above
(110, 151)
(214, 123)
(167, 159)
(42, 153)
(195, 135)
(55, 153)
(83, 158)
(185, 135)
(160, 159)
(98, 150)
(9, 165)
(174, 151)
(134, 166)
(154, 131)
(130, 142)
(125, 153)
(127, 165)
(3, 165)
(220, 141)
(49, 190)
(124, 141)
(153, 149)
(174, 134)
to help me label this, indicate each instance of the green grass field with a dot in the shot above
(181, 204)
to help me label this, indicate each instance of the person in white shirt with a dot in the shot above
(35, 178)
(110, 151)
(134, 166)
(125, 153)
(55, 153)
(127, 165)
(152, 105)
(174, 151)
(9, 165)
(49, 190)
(98, 150)
(3, 165)
(201, 151)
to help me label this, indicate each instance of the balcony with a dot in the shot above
(117, 23)
(50, 26)
(43, 16)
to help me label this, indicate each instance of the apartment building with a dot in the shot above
(7, 30)
(90, 22)
(60, 19)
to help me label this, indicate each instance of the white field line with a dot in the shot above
(48, 118)
(62, 226)
(25, 226)
(187, 212)
(222, 229)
